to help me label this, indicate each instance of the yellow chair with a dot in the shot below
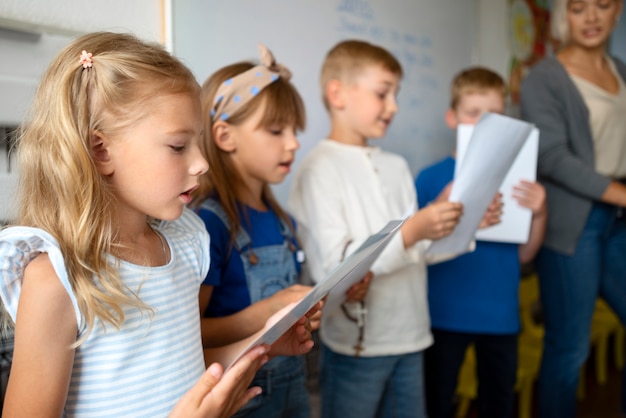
(620, 339)
(528, 367)
(467, 385)
(530, 344)
(605, 324)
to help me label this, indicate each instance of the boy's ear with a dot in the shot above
(451, 119)
(334, 96)
(224, 137)
(100, 148)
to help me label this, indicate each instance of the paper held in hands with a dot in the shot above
(333, 287)
(514, 226)
(495, 143)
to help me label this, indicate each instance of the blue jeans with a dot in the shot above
(569, 286)
(368, 387)
(496, 367)
(284, 391)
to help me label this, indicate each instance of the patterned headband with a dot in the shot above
(239, 90)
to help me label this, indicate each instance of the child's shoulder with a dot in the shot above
(215, 221)
(437, 167)
(19, 245)
(328, 153)
(323, 156)
(391, 156)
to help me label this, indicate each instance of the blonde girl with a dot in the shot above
(104, 297)
(251, 116)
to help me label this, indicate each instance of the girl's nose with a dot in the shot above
(199, 165)
(292, 142)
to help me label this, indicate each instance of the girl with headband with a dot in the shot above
(251, 116)
(102, 296)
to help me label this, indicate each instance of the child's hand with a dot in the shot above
(434, 221)
(315, 316)
(297, 340)
(531, 195)
(286, 296)
(220, 395)
(358, 291)
(493, 213)
(444, 195)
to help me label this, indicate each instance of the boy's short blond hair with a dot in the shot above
(348, 58)
(475, 80)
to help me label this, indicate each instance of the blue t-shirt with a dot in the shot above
(476, 292)
(227, 275)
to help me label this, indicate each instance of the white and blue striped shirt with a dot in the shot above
(143, 369)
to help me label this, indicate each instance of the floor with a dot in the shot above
(601, 401)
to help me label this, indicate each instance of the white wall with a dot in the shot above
(50, 24)
(433, 40)
(492, 49)
(31, 33)
(144, 17)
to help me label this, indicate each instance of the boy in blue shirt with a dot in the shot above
(474, 298)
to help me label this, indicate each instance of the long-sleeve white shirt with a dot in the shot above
(341, 194)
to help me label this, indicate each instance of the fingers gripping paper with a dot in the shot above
(333, 287)
(494, 145)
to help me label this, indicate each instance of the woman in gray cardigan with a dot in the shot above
(577, 99)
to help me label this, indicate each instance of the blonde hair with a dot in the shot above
(61, 190)
(348, 58)
(559, 24)
(282, 105)
(475, 80)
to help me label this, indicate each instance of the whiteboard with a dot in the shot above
(433, 40)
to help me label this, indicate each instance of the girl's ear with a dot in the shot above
(334, 94)
(223, 135)
(100, 149)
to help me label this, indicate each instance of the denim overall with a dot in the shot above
(269, 269)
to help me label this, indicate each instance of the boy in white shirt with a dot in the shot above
(344, 191)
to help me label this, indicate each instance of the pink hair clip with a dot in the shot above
(85, 59)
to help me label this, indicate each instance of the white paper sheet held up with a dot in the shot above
(515, 222)
(495, 143)
(333, 286)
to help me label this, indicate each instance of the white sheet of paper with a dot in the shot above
(515, 221)
(334, 286)
(495, 143)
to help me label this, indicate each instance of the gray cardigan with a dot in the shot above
(566, 165)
